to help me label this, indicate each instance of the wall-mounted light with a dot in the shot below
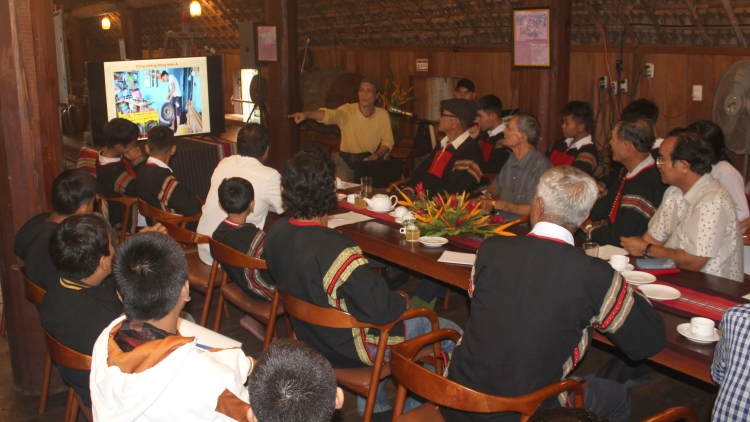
(105, 23)
(195, 8)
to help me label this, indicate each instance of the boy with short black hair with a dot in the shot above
(117, 166)
(577, 149)
(292, 382)
(73, 192)
(236, 196)
(84, 301)
(490, 141)
(156, 184)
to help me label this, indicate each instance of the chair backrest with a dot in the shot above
(66, 356)
(33, 293)
(313, 314)
(183, 235)
(444, 392)
(228, 256)
(673, 414)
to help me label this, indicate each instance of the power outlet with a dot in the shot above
(697, 92)
(623, 85)
(614, 88)
(650, 70)
(603, 82)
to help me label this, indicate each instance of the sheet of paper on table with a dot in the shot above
(345, 185)
(608, 250)
(747, 296)
(204, 336)
(350, 217)
(461, 258)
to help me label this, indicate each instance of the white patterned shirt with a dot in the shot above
(731, 366)
(702, 222)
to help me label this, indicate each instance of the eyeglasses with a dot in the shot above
(447, 115)
(660, 161)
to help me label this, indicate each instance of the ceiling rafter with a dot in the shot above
(471, 24)
(655, 20)
(336, 34)
(733, 20)
(411, 23)
(401, 33)
(626, 23)
(698, 22)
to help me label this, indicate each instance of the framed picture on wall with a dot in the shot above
(531, 42)
(267, 47)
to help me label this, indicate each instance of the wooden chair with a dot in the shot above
(673, 414)
(361, 381)
(35, 294)
(444, 392)
(258, 309)
(69, 358)
(128, 203)
(200, 275)
(149, 211)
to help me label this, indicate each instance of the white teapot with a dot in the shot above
(381, 202)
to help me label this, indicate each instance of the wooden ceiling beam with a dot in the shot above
(733, 20)
(626, 23)
(336, 35)
(113, 7)
(400, 9)
(698, 22)
(654, 20)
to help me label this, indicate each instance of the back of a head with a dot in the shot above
(566, 414)
(78, 243)
(235, 195)
(253, 140)
(641, 109)
(637, 131)
(160, 140)
(529, 124)
(691, 148)
(71, 189)
(491, 105)
(568, 195)
(292, 382)
(119, 131)
(582, 112)
(309, 184)
(150, 270)
(713, 134)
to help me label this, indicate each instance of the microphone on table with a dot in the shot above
(402, 113)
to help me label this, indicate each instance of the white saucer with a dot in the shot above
(638, 277)
(659, 292)
(630, 267)
(342, 197)
(433, 242)
(384, 211)
(401, 220)
(684, 330)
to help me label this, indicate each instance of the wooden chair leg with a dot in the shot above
(226, 310)
(71, 409)
(271, 327)
(447, 301)
(45, 384)
(219, 307)
(3, 328)
(289, 329)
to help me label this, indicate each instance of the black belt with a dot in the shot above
(350, 158)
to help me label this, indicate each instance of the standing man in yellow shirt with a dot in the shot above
(366, 133)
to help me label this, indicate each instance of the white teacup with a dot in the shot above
(350, 198)
(400, 211)
(408, 215)
(701, 327)
(618, 262)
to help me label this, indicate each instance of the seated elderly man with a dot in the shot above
(536, 300)
(455, 164)
(635, 195)
(514, 187)
(696, 224)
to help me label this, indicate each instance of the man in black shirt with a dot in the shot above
(73, 192)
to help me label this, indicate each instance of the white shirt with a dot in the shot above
(159, 163)
(107, 160)
(732, 181)
(177, 90)
(657, 143)
(456, 142)
(581, 142)
(645, 163)
(497, 130)
(552, 230)
(266, 184)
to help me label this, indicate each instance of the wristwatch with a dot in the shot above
(647, 251)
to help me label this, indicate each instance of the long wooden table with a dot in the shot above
(680, 354)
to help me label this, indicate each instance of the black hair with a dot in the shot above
(712, 133)
(292, 382)
(691, 148)
(309, 184)
(78, 243)
(491, 105)
(71, 189)
(582, 113)
(641, 109)
(566, 414)
(253, 140)
(235, 195)
(150, 270)
(160, 139)
(638, 132)
(164, 73)
(120, 131)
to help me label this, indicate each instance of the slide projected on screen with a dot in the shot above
(161, 92)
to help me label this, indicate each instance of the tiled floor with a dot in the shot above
(666, 389)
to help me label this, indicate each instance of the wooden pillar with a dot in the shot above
(130, 21)
(30, 158)
(544, 92)
(283, 82)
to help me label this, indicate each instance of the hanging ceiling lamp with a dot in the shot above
(105, 23)
(195, 8)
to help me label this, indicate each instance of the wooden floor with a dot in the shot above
(666, 389)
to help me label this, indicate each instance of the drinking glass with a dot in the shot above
(366, 187)
(591, 249)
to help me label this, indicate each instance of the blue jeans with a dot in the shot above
(413, 327)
